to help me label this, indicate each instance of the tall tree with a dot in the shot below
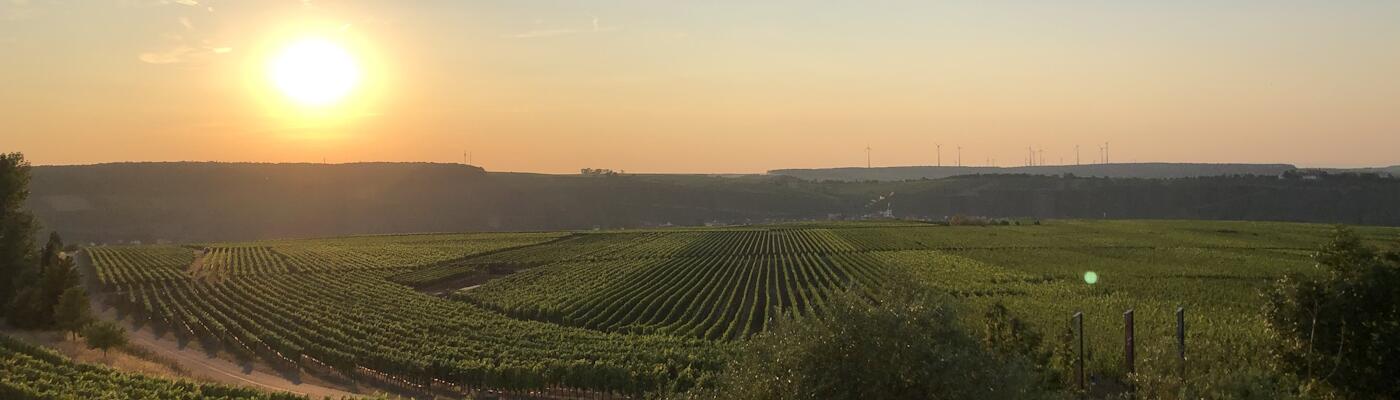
(72, 311)
(41, 289)
(53, 250)
(56, 276)
(17, 226)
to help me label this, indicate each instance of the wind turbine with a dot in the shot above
(940, 153)
(867, 155)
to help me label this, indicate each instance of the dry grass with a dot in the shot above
(130, 358)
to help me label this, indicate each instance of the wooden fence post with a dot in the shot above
(1079, 354)
(1181, 340)
(1128, 340)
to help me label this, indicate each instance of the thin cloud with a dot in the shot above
(151, 3)
(182, 54)
(544, 33)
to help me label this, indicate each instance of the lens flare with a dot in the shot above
(1091, 277)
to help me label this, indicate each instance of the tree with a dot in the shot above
(57, 276)
(17, 226)
(1339, 329)
(895, 344)
(34, 304)
(53, 251)
(24, 310)
(73, 310)
(104, 335)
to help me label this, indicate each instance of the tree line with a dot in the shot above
(186, 202)
(40, 286)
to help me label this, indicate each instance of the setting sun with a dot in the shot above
(314, 72)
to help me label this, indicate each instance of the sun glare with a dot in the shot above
(314, 72)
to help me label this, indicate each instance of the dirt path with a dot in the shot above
(200, 365)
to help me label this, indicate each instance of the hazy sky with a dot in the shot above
(712, 86)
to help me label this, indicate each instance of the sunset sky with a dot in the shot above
(712, 86)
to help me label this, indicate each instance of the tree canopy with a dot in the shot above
(17, 226)
(104, 336)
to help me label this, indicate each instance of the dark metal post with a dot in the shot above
(1079, 359)
(1128, 340)
(1181, 339)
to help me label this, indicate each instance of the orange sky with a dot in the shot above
(720, 86)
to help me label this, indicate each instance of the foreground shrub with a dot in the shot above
(1340, 330)
(893, 345)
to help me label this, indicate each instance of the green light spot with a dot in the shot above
(1091, 277)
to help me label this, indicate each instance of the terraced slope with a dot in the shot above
(29, 372)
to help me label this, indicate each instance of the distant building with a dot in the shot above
(1304, 174)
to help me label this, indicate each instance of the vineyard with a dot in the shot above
(352, 321)
(31, 372)
(713, 285)
(634, 311)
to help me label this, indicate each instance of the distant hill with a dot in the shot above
(1126, 170)
(186, 202)
(221, 201)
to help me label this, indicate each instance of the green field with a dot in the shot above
(632, 311)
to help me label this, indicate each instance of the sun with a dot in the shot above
(314, 72)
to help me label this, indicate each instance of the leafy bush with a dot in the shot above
(900, 344)
(1340, 330)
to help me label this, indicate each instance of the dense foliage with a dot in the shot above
(1340, 328)
(17, 226)
(104, 335)
(73, 311)
(31, 283)
(883, 345)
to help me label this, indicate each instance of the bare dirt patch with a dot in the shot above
(472, 279)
